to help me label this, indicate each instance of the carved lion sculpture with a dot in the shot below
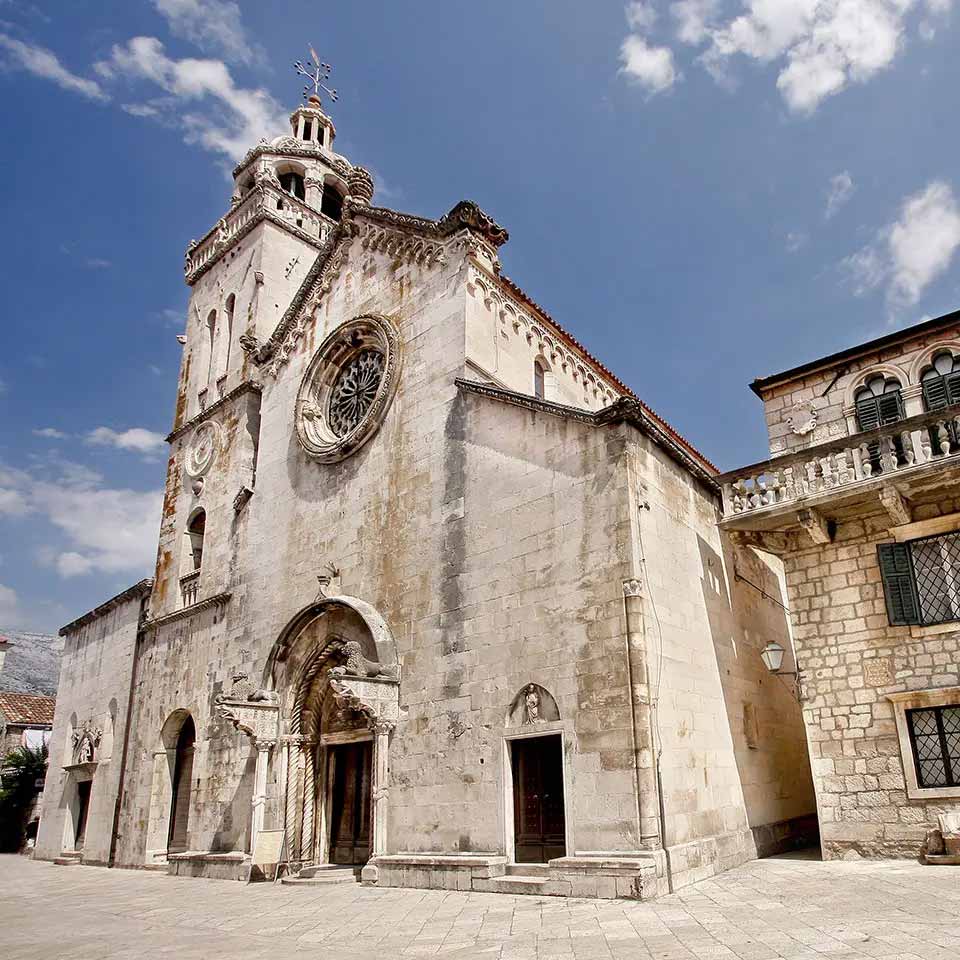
(358, 665)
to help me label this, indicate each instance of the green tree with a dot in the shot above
(20, 772)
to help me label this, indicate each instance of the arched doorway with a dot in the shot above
(182, 781)
(335, 674)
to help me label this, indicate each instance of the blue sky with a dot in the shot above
(702, 191)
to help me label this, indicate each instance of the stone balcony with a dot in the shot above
(266, 201)
(885, 468)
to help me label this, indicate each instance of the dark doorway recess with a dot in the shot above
(83, 808)
(350, 803)
(538, 813)
(182, 779)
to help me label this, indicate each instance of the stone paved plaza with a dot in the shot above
(791, 908)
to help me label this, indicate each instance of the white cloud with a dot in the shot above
(693, 18)
(910, 253)
(641, 15)
(136, 438)
(9, 609)
(841, 187)
(44, 63)
(650, 67)
(795, 241)
(819, 47)
(101, 529)
(203, 99)
(12, 503)
(50, 433)
(213, 25)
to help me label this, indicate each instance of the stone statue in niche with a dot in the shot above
(532, 705)
(85, 741)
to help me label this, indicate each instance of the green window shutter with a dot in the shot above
(868, 413)
(899, 587)
(935, 395)
(890, 406)
(953, 387)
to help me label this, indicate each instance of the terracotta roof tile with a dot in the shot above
(26, 708)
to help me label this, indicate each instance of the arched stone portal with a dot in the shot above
(332, 683)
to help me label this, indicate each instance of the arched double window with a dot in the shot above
(195, 532)
(941, 388)
(877, 403)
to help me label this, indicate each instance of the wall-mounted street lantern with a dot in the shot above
(772, 657)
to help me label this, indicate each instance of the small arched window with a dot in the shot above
(228, 332)
(539, 380)
(941, 382)
(331, 203)
(195, 533)
(293, 184)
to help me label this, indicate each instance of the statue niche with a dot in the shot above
(532, 705)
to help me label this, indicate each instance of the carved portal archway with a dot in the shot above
(331, 677)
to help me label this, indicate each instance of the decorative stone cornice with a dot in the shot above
(402, 235)
(218, 600)
(623, 410)
(896, 505)
(248, 386)
(291, 147)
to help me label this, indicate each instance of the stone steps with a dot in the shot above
(68, 858)
(321, 875)
(528, 870)
(523, 885)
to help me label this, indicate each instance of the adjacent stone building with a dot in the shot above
(25, 721)
(860, 500)
(436, 595)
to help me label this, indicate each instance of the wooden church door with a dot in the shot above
(350, 803)
(182, 779)
(538, 811)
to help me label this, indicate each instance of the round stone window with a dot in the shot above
(348, 387)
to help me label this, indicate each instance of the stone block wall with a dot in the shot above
(96, 667)
(829, 391)
(851, 658)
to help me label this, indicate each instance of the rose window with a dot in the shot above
(354, 391)
(347, 387)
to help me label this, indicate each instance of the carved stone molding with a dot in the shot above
(896, 505)
(377, 698)
(203, 449)
(214, 408)
(259, 720)
(632, 588)
(219, 600)
(323, 430)
(815, 525)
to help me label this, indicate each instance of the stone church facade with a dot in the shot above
(437, 598)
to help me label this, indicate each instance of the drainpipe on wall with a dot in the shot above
(144, 602)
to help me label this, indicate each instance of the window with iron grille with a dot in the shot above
(935, 738)
(921, 579)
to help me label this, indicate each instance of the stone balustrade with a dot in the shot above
(838, 465)
(190, 589)
(265, 201)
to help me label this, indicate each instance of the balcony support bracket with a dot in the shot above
(896, 505)
(767, 541)
(815, 525)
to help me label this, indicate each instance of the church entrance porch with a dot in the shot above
(538, 807)
(350, 774)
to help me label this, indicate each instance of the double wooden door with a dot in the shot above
(538, 812)
(350, 803)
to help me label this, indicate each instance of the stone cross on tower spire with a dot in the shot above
(317, 74)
